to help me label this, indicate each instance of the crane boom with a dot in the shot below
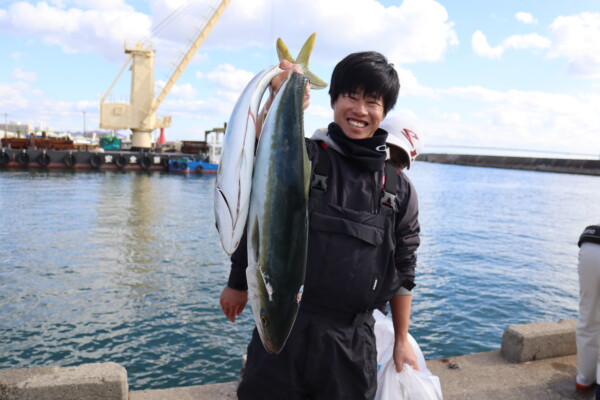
(139, 114)
(189, 54)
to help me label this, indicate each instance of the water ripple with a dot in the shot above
(127, 267)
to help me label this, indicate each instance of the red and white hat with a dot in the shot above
(401, 137)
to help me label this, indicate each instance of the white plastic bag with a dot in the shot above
(408, 384)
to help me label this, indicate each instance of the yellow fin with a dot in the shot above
(282, 51)
(302, 60)
(305, 52)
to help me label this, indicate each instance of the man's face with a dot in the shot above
(358, 115)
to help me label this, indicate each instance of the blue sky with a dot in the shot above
(510, 74)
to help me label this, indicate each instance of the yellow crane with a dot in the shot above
(139, 114)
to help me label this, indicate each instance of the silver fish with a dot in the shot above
(234, 175)
(232, 188)
(278, 217)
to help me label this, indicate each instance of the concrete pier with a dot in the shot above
(543, 367)
(100, 381)
(560, 165)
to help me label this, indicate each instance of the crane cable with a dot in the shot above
(168, 20)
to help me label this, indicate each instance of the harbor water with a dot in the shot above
(127, 267)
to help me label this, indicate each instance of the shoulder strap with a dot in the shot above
(590, 234)
(322, 169)
(390, 185)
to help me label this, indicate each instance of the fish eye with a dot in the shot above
(264, 321)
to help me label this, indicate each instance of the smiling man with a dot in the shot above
(364, 232)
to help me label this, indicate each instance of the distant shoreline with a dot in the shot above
(559, 165)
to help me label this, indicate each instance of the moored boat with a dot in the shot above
(189, 165)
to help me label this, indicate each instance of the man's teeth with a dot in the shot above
(357, 124)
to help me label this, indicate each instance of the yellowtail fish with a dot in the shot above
(278, 217)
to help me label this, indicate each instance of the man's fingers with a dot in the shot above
(399, 367)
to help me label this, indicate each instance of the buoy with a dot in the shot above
(145, 162)
(44, 159)
(70, 160)
(122, 161)
(199, 169)
(23, 159)
(96, 161)
(4, 158)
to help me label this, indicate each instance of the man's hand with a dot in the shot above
(233, 302)
(404, 354)
(276, 83)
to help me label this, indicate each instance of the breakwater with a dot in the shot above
(560, 165)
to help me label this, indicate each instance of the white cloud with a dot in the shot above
(482, 48)
(228, 77)
(577, 38)
(409, 85)
(11, 97)
(417, 30)
(474, 93)
(517, 119)
(319, 112)
(185, 91)
(526, 18)
(75, 30)
(101, 5)
(21, 75)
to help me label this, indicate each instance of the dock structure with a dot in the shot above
(536, 362)
(559, 165)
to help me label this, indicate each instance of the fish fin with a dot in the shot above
(255, 239)
(282, 51)
(303, 60)
(315, 81)
(306, 51)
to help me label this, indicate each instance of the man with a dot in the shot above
(588, 324)
(361, 251)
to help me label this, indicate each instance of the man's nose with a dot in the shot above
(360, 107)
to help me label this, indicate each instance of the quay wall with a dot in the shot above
(560, 165)
(530, 354)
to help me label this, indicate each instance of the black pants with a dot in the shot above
(324, 358)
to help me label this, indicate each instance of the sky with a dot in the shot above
(484, 74)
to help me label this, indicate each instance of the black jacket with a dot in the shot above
(356, 191)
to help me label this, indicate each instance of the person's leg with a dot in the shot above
(274, 376)
(347, 369)
(588, 324)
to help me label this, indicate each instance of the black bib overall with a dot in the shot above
(331, 351)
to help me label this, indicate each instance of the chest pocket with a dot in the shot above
(343, 222)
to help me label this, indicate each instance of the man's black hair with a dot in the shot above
(368, 71)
